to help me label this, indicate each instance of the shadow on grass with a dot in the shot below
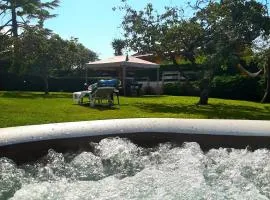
(33, 95)
(100, 107)
(150, 96)
(221, 111)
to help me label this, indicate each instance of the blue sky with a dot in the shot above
(94, 22)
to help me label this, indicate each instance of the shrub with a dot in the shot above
(181, 89)
(236, 87)
(172, 89)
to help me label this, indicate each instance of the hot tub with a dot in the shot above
(136, 159)
(25, 143)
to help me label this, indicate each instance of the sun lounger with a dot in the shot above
(103, 95)
(100, 92)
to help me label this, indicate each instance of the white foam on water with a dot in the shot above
(118, 169)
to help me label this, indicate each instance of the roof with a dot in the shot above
(120, 61)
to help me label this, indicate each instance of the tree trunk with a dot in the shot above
(204, 92)
(46, 85)
(266, 97)
(203, 97)
(14, 19)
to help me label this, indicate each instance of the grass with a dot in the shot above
(25, 108)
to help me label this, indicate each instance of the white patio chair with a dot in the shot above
(102, 94)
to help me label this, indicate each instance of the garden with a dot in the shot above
(27, 108)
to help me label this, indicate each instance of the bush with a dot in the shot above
(225, 87)
(181, 89)
(236, 87)
(172, 89)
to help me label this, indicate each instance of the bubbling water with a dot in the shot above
(118, 169)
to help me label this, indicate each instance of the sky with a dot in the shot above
(94, 22)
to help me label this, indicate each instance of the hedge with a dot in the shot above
(181, 89)
(231, 87)
(225, 87)
(10, 82)
(237, 87)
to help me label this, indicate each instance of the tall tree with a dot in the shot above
(231, 26)
(45, 54)
(262, 56)
(118, 45)
(222, 30)
(76, 55)
(147, 31)
(36, 54)
(166, 35)
(5, 44)
(17, 14)
(262, 47)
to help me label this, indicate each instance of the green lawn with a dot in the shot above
(24, 108)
